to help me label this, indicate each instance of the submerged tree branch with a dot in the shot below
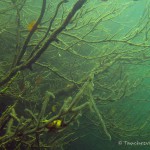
(52, 38)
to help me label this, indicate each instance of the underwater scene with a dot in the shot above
(74, 74)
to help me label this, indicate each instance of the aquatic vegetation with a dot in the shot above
(70, 78)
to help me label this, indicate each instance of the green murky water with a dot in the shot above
(74, 74)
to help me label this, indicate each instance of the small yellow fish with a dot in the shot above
(31, 25)
(55, 124)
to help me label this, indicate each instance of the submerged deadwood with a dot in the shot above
(39, 52)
